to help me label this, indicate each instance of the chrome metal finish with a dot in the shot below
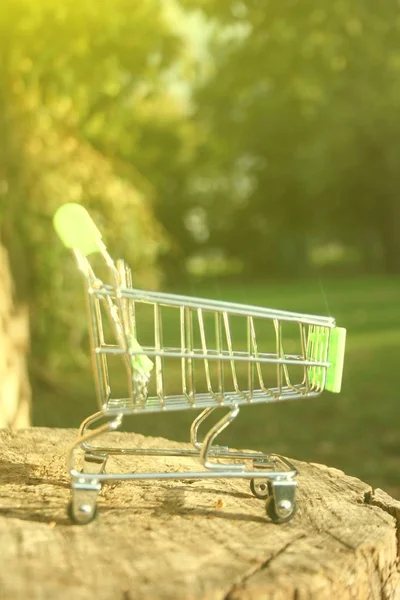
(210, 437)
(84, 501)
(283, 501)
(216, 369)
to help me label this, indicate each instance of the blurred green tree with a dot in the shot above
(301, 110)
(75, 83)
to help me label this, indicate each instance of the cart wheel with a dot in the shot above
(259, 488)
(282, 512)
(81, 515)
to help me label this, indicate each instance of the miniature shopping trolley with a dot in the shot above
(183, 353)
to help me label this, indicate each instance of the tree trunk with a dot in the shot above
(187, 540)
(14, 336)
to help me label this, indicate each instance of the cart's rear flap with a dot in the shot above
(337, 344)
(327, 346)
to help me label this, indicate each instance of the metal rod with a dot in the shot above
(189, 355)
(219, 349)
(222, 474)
(158, 346)
(204, 348)
(278, 332)
(210, 437)
(230, 308)
(225, 356)
(194, 428)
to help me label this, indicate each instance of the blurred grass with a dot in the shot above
(357, 431)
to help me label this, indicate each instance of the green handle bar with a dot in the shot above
(76, 229)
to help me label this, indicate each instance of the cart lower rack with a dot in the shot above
(184, 353)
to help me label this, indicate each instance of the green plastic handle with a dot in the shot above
(76, 229)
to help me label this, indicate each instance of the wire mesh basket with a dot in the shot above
(187, 353)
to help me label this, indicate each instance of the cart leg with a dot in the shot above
(207, 446)
(281, 503)
(95, 453)
(95, 459)
(85, 486)
(82, 508)
(194, 430)
(89, 421)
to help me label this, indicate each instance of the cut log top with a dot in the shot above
(182, 540)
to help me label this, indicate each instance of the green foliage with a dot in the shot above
(74, 79)
(301, 111)
(280, 154)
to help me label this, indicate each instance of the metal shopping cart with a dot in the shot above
(224, 356)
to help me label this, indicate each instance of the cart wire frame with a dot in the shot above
(208, 359)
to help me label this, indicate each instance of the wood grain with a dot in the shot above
(205, 540)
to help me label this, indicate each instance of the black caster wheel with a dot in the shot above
(260, 488)
(281, 512)
(81, 515)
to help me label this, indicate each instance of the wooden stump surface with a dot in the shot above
(200, 540)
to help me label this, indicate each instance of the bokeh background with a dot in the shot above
(240, 150)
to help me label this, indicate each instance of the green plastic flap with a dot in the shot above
(324, 346)
(337, 345)
(317, 350)
(76, 229)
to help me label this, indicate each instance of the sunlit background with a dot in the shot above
(246, 151)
